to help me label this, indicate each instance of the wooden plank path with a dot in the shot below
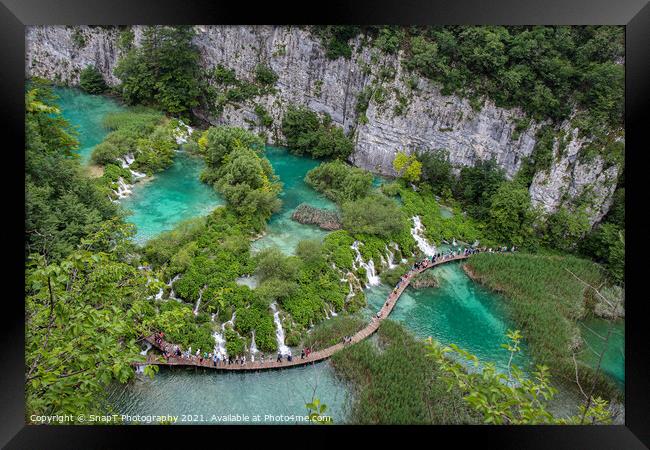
(319, 355)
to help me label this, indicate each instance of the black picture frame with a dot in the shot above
(634, 14)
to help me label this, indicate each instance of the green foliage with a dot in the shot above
(564, 228)
(78, 38)
(125, 40)
(541, 158)
(61, 204)
(436, 170)
(316, 412)
(542, 69)
(507, 399)
(83, 315)
(408, 167)
(92, 81)
(306, 132)
(263, 115)
(257, 319)
(544, 295)
(236, 170)
(477, 184)
(511, 215)
(143, 132)
(437, 227)
(235, 345)
(606, 244)
(332, 331)
(181, 327)
(395, 382)
(335, 39)
(390, 39)
(374, 214)
(339, 181)
(272, 263)
(265, 75)
(163, 71)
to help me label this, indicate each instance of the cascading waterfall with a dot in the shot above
(219, 344)
(182, 133)
(373, 278)
(198, 302)
(418, 234)
(140, 368)
(253, 348)
(172, 294)
(390, 259)
(279, 331)
(219, 340)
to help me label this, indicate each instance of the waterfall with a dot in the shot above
(279, 332)
(172, 294)
(144, 352)
(140, 368)
(123, 189)
(198, 302)
(373, 278)
(182, 133)
(418, 234)
(391, 257)
(219, 344)
(253, 348)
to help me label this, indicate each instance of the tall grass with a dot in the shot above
(396, 383)
(332, 331)
(546, 301)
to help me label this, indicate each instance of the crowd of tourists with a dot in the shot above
(219, 359)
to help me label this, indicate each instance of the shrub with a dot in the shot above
(92, 81)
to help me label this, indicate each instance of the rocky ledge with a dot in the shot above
(324, 218)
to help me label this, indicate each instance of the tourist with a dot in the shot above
(214, 360)
(289, 357)
(302, 354)
(279, 357)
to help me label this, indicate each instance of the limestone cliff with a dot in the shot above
(412, 114)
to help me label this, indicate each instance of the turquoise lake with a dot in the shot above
(458, 311)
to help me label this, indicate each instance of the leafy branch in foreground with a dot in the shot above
(508, 398)
(316, 410)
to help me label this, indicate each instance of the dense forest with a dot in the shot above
(91, 293)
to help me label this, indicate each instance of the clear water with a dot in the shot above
(86, 113)
(458, 311)
(205, 392)
(613, 362)
(172, 196)
(281, 231)
(157, 204)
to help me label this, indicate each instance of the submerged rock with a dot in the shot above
(324, 218)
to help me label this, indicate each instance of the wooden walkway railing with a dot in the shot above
(296, 360)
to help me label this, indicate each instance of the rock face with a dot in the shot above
(326, 219)
(412, 115)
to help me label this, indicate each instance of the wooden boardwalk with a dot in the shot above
(296, 360)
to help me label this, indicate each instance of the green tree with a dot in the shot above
(92, 81)
(436, 170)
(374, 214)
(306, 132)
(511, 216)
(408, 167)
(340, 181)
(163, 70)
(508, 398)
